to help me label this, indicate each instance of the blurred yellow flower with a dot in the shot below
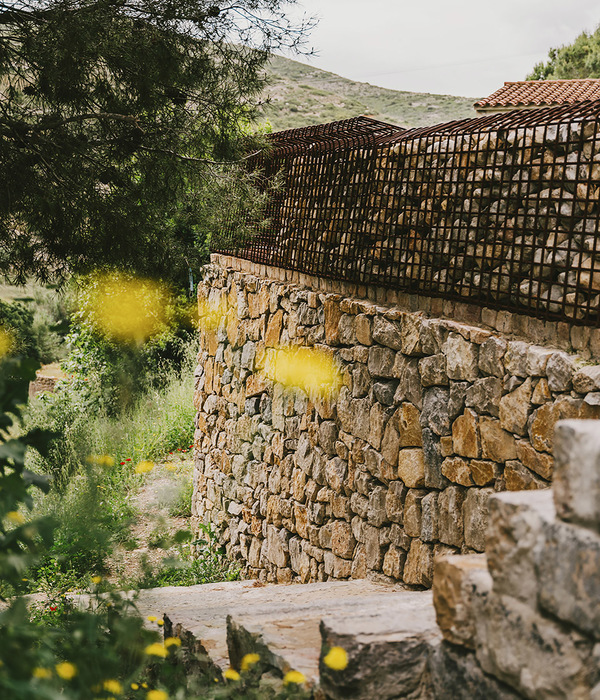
(172, 642)
(157, 695)
(152, 618)
(135, 686)
(144, 466)
(101, 460)
(15, 517)
(249, 660)
(294, 677)
(66, 670)
(211, 313)
(96, 579)
(311, 370)
(126, 308)
(160, 623)
(336, 658)
(113, 686)
(231, 675)
(156, 649)
(6, 342)
(42, 673)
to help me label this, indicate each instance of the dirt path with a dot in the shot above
(160, 504)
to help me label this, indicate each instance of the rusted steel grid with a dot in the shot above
(500, 211)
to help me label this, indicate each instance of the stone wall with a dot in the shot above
(434, 417)
(523, 620)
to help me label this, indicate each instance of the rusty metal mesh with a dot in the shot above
(500, 211)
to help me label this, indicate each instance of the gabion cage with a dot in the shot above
(500, 211)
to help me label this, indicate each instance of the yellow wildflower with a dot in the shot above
(113, 686)
(156, 649)
(231, 675)
(156, 695)
(6, 342)
(160, 623)
(96, 579)
(151, 618)
(42, 673)
(306, 368)
(15, 517)
(336, 658)
(135, 686)
(294, 677)
(249, 660)
(66, 670)
(172, 642)
(144, 466)
(101, 460)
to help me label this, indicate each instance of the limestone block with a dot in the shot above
(434, 414)
(387, 333)
(373, 548)
(484, 395)
(399, 537)
(569, 568)
(457, 399)
(378, 420)
(335, 473)
(433, 370)
(346, 332)
(342, 539)
(461, 358)
(359, 562)
(360, 411)
(458, 584)
(516, 523)
(333, 314)
(394, 501)
(409, 385)
(335, 566)
(491, 354)
(587, 379)
(456, 675)
(515, 408)
(559, 370)
(429, 517)
(518, 478)
(496, 444)
(537, 359)
(359, 504)
(393, 562)
(361, 380)
(390, 443)
(457, 470)
(410, 334)
(529, 652)
(411, 467)
(407, 418)
(363, 329)
(412, 511)
(328, 434)
(384, 391)
(381, 361)
(541, 392)
(432, 458)
(576, 483)
(418, 568)
(376, 512)
(465, 436)
(475, 513)
(538, 462)
(484, 472)
(276, 546)
(515, 358)
(450, 516)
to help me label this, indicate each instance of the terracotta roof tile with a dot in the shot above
(542, 93)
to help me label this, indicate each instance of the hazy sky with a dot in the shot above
(456, 47)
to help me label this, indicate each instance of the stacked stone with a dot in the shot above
(523, 620)
(500, 214)
(434, 416)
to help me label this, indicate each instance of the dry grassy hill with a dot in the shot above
(300, 95)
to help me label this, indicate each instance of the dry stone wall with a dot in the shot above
(434, 416)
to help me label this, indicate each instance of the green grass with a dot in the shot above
(302, 95)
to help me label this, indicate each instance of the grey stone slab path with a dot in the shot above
(287, 624)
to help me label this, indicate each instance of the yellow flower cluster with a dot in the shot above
(66, 670)
(313, 371)
(294, 677)
(101, 460)
(336, 658)
(15, 517)
(248, 661)
(144, 467)
(156, 649)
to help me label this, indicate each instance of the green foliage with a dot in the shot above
(18, 319)
(99, 158)
(581, 59)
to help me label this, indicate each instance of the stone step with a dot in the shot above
(387, 631)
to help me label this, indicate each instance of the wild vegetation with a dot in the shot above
(581, 59)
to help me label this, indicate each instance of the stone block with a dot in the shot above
(410, 333)
(537, 359)
(457, 470)
(335, 473)
(393, 562)
(432, 458)
(541, 392)
(412, 511)
(450, 516)
(328, 434)
(381, 361)
(363, 329)
(496, 443)
(458, 583)
(342, 539)
(475, 514)
(387, 333)
(515, 358)
(390, 443)
(461, 358)
(378, 419)
(484, 395)
(587, 379)
(434, 414)
(568, 562)
(515, 408)
(384, 391)
(336, 567)
(516, 524)
(407, 418)
(418, 568)
(491, 354)
(429, 517)
(518, 478)
(465, 435)
(433, 370)
(373, 547)
(411, 467)
(361, 380)
(484, 472)
(376, 511)
(576, 482)
(409, 384)
(394, 501)
(538, 462)
(559, 370)
(531, 653)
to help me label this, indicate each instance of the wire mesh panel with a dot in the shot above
(500, 211)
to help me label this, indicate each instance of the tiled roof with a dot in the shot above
(542, 93)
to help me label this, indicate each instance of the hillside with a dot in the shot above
(301, 95)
